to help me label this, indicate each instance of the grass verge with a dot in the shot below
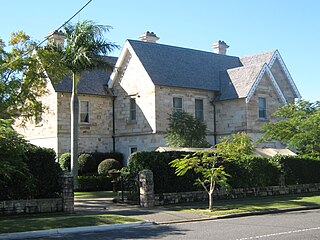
(224, 207)
(35, 222)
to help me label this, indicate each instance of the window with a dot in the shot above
(133, 110)
(262, 108)
(38, 119)
(199, 109)
(84, 111)
(133, 149)
(177, 104)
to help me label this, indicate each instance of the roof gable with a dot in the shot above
(277, 56)
(265, 69)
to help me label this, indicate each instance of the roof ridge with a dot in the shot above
(182, 48)
(256, 54)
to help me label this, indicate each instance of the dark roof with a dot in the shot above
(181, 67)
(237, 82)
(91, 82)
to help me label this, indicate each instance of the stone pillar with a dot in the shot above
(67, 195)
(146, 188)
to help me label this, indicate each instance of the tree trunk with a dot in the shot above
(74, 130)
(210, 194)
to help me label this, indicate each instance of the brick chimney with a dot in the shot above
(220, 47)
(56, 37)
(149, 37)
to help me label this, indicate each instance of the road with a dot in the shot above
(293, 225)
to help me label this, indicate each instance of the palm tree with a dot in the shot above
(83, 50)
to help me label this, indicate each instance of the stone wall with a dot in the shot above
(42, 133)
(93, 136)
(63, 204)
(31, 206)
(201, 196)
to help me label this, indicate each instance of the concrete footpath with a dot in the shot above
(158, 215)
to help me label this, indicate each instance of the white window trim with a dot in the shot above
(199, 98)
(266, 108)
(182, 102)
(89, 107)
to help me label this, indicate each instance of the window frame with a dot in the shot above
(174, 108)
(197, 111)
(133, 110)
(262, 110)
(83, 112)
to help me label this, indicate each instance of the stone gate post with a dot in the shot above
(67, 195)
(146, 188)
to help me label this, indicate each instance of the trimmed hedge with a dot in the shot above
(251, 171)
(108, 164)
(88, 162)
(300, 169)
(94, 183)
(45, 170)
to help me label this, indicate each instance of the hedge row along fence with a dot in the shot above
(252, 171)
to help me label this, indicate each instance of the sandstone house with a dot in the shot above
(127, 110)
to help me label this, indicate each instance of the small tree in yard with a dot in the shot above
(208, 164)
(186, 131)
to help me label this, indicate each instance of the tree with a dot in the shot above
(22, 79)
(83, 51)
(235, 146)
(186, 131)
(298, 127)
(209, 166)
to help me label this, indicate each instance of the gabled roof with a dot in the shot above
(181, 67)
(233, 77)
(260, 58)
(237, 82)
(91, 82)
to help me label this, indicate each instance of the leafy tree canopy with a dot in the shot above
(186, 131)
(21, 79)
(235, 146)
(298, 127)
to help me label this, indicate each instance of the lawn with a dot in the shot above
(101, 194)
(224, 207)
(58, 220)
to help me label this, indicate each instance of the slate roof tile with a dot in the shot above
(260, 58)
(91, 82)
(181, 67)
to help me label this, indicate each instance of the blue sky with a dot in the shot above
(248, 26)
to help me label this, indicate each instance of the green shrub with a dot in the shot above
(99, 157)
(300, 169)
(252, 171)
(65, 161)
(165, 180)
(86, 164)
(43, 166)
(94, 183)
(16, 181)
(107, 165)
